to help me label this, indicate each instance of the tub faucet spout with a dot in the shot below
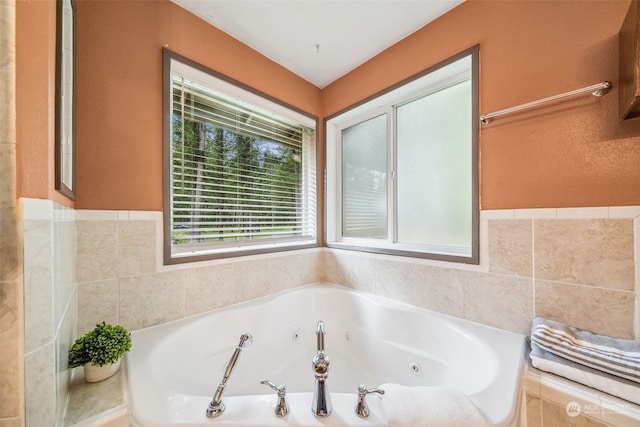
(321, 405)
(216, 407)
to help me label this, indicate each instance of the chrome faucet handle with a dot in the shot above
(320, 364)
(281, 409)
(362, 410)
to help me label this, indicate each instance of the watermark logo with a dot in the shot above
(573, 409)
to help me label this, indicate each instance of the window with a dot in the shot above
(402, 167)
(240, 169)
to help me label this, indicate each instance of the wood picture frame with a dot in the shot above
(65, 168)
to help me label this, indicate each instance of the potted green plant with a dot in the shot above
(100, 351)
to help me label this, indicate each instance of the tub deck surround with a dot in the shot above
(174, 369)
(547, 397)
(96, 404)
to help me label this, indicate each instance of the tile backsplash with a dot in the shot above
(121, 277)
(583, 263)
(49, 232)
(574, 265)
(11, 266)
(578, 266)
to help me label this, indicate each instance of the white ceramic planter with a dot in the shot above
(94, 373)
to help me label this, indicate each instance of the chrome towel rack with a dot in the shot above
(599, 89)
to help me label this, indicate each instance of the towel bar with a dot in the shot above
(599, 89)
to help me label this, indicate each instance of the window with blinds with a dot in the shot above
(402, 168)
(242, 170)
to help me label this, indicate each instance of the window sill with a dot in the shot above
(240, 251)
(405, 251)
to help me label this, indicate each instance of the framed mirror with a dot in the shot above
(65, 170)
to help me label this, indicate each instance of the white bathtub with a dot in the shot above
(174, 369)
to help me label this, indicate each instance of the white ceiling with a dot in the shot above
(319, 40)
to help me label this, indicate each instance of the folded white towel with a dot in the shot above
(616, 386)
(429, 406)
(615, 356)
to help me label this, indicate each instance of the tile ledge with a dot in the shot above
(561, 391)
(114, 417)
(597, 212)
(97, 404)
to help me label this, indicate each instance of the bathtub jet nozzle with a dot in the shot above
(216, 407)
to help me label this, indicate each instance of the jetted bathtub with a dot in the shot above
(174, 369)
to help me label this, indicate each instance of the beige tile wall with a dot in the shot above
(529, 266)
(11, 296)
(550, 400)
(49, 232)
(585, 273)
(122, 279)
(577, 266)
(573, 265)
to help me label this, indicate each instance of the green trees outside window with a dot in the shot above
(229, 186)
(240, 168)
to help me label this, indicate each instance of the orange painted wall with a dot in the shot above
(35, 96)
(574, 153)
(120, 93)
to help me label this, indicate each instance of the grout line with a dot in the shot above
(636, 259)
(533, 264)
(118, 319)
(51, 342)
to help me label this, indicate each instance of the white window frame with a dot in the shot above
(433, 79)
(174, 63)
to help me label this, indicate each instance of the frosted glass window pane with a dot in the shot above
(434, 155)
(364, 179)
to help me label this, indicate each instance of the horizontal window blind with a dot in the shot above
(364, 209)
(197, 103)
(240, 176)
(364, 179)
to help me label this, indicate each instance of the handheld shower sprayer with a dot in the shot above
(216, 407)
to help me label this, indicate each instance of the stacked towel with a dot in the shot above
(429, 406)
(608, 364)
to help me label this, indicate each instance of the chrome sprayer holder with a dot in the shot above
(216, 407)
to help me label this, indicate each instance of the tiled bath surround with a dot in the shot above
(548, 396)
(50, 307)
(533, 263)
(574, 265)
(121, 277)
(11, 303)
